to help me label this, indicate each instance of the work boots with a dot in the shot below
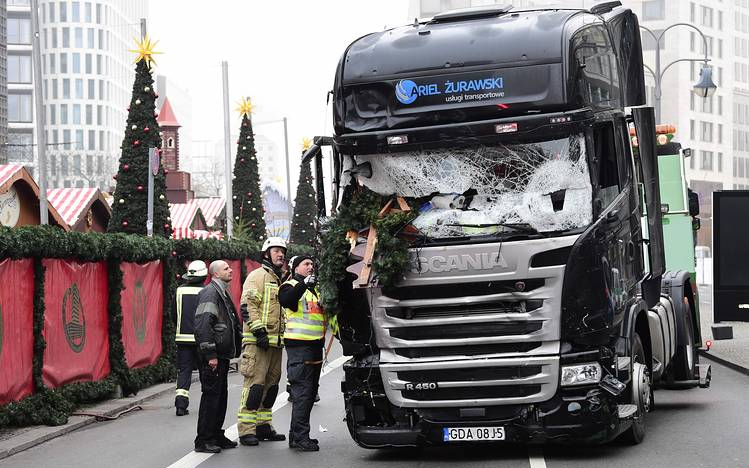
(308, 445)
(264, 432)
(249, 440)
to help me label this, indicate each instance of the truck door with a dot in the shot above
(613, 181)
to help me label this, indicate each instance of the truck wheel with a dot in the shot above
(641, 392)
(685, 361)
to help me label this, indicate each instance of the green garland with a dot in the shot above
(53, 406)
(361, 212)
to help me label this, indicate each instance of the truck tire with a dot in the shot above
(685, 360)
(641, 391)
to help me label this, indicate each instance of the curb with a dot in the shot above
(41, 434)
(731, 365)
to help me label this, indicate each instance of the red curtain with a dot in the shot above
(75, 322)
(16, 329)
(142, 301)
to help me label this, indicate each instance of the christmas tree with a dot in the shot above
(130, 208)
(246, 194)
(303, 223)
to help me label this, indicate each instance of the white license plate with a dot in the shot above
(453, 434)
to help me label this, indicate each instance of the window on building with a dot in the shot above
(720, 105)
(75, 12)
(79, 139)
(98, 64)
(170, 142)
(66, 139)
(89, 164)
(691, 12)
(76, 164)
(66, 37)
(79, 88)
(101, 145)
(76, 62)
(63, 114)
(79, 37)
(92, 89)
(706, 16)
(53, 33)
(98, 13)
(52, 7)
(706, 105)
(66, 183)
(64, 166)
(691, 130)
(648, 43)
(706, 131)
(66, 88)
(89, 64)
(89, 114)
(63, 12)
(19, 108)
(720, 162)
(691, 101)
(19, 69)
(53, 114)
(76, 114)
(101, 39)
(706, 160)
(91, 140)
(20, 145)
(87, 12)
(91, 38)
(720, 133)
(54, 88)
(19, 31)
(653, 10)
(52, 63)
(63, 63)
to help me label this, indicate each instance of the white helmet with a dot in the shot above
(273, 242)
(196, 269)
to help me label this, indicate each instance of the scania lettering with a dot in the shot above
(542, 303)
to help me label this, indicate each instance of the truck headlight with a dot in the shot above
(581, 374)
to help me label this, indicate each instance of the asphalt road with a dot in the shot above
(689, 428)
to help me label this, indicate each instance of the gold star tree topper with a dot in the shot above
(145, 50)
(244, 107)
(306, 143)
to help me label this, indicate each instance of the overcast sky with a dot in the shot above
(282, 54)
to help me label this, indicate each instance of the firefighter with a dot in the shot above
(262, 346)
(187, 351)
(303, 338)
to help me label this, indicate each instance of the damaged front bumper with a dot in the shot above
(585, 414)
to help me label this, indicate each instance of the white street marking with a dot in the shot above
(193, 459)
(536, 457)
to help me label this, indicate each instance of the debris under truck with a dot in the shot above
(536, 306)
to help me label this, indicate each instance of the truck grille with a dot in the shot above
(414, 352)
(442, 291)
(519, 391)
(493, 381)
(471, 330)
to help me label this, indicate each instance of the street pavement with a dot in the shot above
(689, 428)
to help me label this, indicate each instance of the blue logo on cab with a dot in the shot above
(406, 91)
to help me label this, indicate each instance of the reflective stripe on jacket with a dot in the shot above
(187, 303)
(260, 293)
(307, 322)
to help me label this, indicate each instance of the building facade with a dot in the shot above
(3, 83)
(19, 85)
(88, 76)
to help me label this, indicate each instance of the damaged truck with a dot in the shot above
(535, 305)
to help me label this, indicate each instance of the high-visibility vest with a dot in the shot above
(187, 303)
(307, 322)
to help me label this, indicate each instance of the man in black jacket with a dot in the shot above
(218, 336)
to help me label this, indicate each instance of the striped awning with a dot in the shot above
(72, 203)
(182, 214)
(7, 171)
(211, 208)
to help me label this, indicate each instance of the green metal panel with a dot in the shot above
(679, 240)
(672, 182)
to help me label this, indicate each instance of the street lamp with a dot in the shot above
(704, 88)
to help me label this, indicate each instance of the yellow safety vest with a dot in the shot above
(180, 336)
(307, 322)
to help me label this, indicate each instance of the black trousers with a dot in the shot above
(212, 402)
(304, 378)
(187, 360)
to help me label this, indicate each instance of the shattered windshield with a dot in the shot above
(542, 186)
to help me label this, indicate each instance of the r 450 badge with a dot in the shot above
(421, 386)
